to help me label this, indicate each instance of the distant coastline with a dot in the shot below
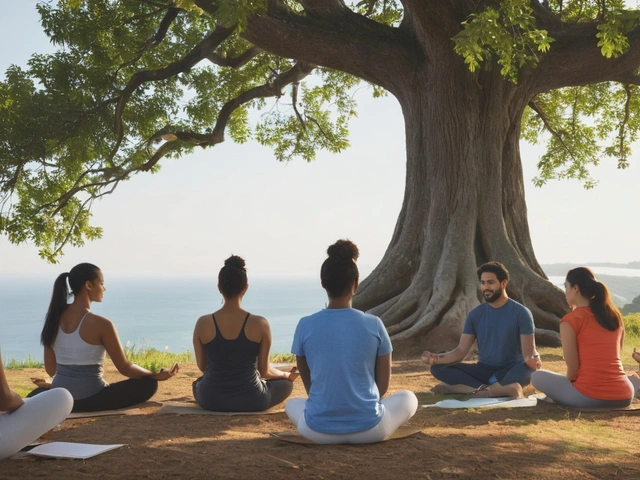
(624, 288)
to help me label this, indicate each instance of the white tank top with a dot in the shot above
(71, 349)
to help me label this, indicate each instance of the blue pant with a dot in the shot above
(476, 374)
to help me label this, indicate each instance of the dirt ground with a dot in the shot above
(542, 442)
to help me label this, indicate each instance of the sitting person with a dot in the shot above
(75, 341)
(23, 421)
(592, 336)
(228, 345)
(635, 378)
(344, 359)
(507, 352)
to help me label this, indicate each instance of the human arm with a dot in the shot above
(305, 373)
(570, 350)
(529, 352)
(111, 341)
(383, 373)
(9, 400)
(454, 356)
(198, 347)
(266, 370)
(636, 355)
(50, 364)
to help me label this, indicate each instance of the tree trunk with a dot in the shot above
(463, 205)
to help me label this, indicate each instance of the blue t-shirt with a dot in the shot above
(498, 331)
(341, 347)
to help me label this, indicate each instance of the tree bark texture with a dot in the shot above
(463, 205)
(464, 198)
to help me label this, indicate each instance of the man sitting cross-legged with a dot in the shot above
(506, 344)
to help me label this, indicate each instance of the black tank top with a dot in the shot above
(231, 375)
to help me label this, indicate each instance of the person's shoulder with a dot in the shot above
(98, 320)
(518, 306)
(475, 311)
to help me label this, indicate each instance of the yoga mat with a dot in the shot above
(194, 409)
(492, 402)
(106, 413)
(292, 437)
(633, 407)
(71, 450)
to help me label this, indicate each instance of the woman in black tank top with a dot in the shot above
(232, 350)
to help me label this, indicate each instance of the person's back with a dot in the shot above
(344, 359)
(231, 380)
(232, 351)
(600, 374)
(341, 347)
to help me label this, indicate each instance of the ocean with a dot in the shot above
(158, 312)
(161, 311)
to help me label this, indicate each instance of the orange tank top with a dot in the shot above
(600, 374)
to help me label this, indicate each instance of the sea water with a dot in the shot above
(161, 311)
(158, 312)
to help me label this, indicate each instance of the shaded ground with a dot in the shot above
(542, 442)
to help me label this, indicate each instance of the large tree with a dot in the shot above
(135, 81)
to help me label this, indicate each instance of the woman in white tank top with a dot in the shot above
(75, 342)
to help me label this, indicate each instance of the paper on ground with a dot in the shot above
(71, 450)
(493, 402)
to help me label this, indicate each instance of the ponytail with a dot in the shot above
(57, 305)
(77, 276)
(603, 308)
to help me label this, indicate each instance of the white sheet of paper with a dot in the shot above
(494, 402)
(71, 450)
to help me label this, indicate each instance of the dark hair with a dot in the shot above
(77, 277)
(494, 267)
(232, 278)
(339, 271)
(606, 313)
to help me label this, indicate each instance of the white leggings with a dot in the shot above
(398, 408)
(37, 416)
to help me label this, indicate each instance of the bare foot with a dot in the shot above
(445, 388)
(513, 390)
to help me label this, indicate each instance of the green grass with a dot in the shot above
(282, 357)
(30, 362)
(155, 360)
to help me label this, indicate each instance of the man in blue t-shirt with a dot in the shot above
(505, 334)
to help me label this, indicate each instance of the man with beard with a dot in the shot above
(507, 353)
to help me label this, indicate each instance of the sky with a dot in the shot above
(238, 199)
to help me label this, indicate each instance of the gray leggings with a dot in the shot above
(560, 389)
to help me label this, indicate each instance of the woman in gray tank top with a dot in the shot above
(232, 350)
(75, 342)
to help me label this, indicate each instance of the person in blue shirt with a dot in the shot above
(344, 359)
(505, 334)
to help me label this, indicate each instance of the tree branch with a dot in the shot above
(198, 53)
(339, 39)
(534, 106)
(575, 59)
(234, 62)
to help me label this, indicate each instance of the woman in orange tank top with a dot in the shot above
(592, 335)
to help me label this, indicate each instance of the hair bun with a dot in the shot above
(234, 261)
(344, 249)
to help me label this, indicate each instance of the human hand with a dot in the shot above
(41, 382)
(292, 375)
(534, 362)
(636, 355)
(165, 374)
(429, 358)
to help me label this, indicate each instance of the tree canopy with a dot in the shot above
(135, 81)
